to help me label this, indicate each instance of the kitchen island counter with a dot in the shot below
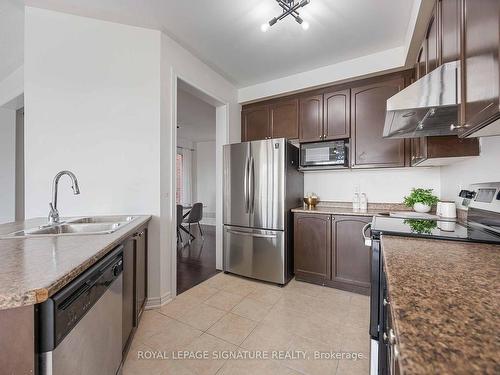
(445, 301)
(34, 268)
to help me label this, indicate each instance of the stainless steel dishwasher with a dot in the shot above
(80, 327)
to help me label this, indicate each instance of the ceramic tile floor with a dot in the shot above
(228, 314)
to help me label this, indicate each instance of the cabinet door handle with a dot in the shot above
(395, 352)
(453, 126)
(368, 240)
(392, 337)
(137, 235)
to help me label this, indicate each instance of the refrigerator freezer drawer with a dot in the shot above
(259, 254)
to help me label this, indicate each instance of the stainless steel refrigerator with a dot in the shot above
(261, 185)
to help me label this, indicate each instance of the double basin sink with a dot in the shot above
(78, 226)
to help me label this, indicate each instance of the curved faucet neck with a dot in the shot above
(54, 213)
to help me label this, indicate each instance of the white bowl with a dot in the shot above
(420, 207)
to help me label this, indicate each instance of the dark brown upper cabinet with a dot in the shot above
(441, 45)
(421, 64)
(480, 66)
(418, 150)
(285, 119)
(449, 11)
(312, 237)
(429, 151)
(432, 41)
(255, 123)
(350, 258)
(311, 118)
(368, 109)
(337, 114)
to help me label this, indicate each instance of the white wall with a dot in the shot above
(12, 86)
(99, 99)
(361, 66)
(92, 95)
(380, 185)
(205, 179)
(485, 168)
(7, 165)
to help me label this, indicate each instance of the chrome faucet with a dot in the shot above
(54, 214)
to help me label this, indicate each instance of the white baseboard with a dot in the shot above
(157, 302)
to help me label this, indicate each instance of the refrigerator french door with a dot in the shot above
(256, 208)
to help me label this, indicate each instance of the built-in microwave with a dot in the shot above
(324, 155)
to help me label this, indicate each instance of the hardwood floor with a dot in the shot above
(196, 261)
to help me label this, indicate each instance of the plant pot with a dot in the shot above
(421, 207)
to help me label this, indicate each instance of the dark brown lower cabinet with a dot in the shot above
(140, 273)
(134, 283)
(17, 340)
(312, 247)
(350, 256)
(128, 292)
(330, 250)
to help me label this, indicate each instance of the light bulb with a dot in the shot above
(305, 25)
(264, 27)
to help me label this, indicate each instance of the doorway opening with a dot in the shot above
(12, 160)
(195, 186)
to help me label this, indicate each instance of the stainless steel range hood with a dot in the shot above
(428, 107)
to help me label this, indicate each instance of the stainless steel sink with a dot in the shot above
(101, 219)
(80, 226)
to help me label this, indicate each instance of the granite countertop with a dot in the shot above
(32, 269)
(445, 301)
(345, 208)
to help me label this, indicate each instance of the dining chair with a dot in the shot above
(194, 217)
(179, 224)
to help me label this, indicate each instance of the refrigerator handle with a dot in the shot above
(250, 234)
(245, 183)
(251, 182)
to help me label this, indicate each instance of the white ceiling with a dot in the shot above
(226, 33)
(195, 117)
(11, 36)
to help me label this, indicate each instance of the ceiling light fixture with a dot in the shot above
(290, 8)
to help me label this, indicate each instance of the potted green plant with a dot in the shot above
(420, 199)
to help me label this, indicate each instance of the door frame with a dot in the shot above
(222, 138)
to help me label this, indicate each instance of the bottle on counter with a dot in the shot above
(363, 202)
(355, 202)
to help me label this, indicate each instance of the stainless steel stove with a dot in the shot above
(482, 226)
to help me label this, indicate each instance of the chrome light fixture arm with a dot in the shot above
(290, 7)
